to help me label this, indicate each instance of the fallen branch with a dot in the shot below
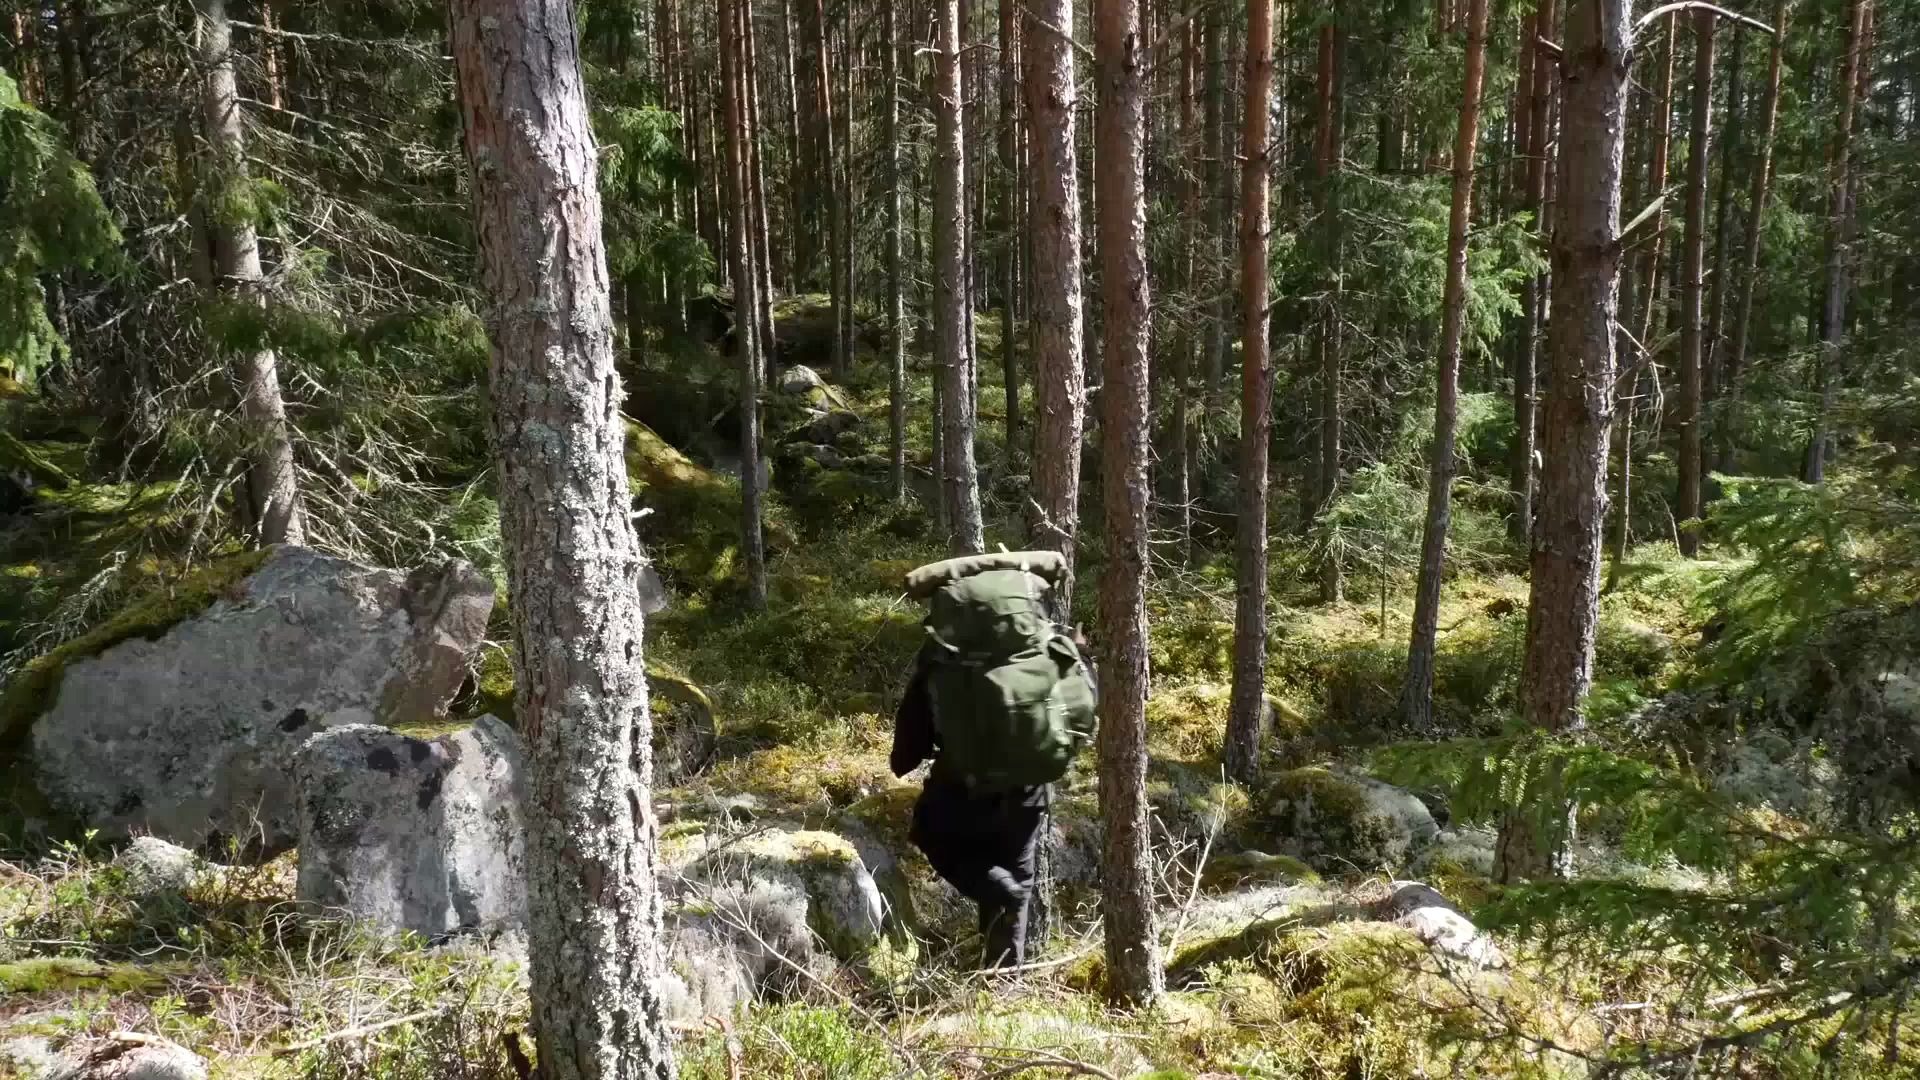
(1654, 16)
(361, 1031)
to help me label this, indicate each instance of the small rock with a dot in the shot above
(414, 834)
(154, 866)
(800, 379)
(128, 1056)
(1435, 920)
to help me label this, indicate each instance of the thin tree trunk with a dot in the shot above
(1009, 194)
(1650, 301)
(572, 558)
(1060, 389)
(1563, 605)
(1733, 371)
(1327, 168)
(1716, 353)
(896, 308)
(828, 175)
(1544, 81)
(951, 315)
(846, 198)
(756, 174)
(1134, 974)
(1218, 179)
(1693, 266)
(742, 252)
(272, 489)
(799, 209)
(1247, 707)
(1417, 695)
(1188, 346)
(1833, 306)
(270, 54)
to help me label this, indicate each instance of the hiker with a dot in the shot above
(1000, 699)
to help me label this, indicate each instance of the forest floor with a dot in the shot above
(802, 694)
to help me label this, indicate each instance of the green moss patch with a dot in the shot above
(61, 974)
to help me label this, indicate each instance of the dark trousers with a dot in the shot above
(967, 837)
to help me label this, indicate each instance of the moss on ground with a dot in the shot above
(61, 974)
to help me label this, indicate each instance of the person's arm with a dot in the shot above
(913, 724)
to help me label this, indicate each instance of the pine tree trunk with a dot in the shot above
(1733, 371)
(1564, 601)
(1219, 186)
(896, 308)
(1544, 82)
(1693, 268)
(743, 252)
(756, 174)
(847, 198)
(1627, 405)
(1716, 353)
(1180, 437)
(1833, 305)
(1134, 974)
(799, 208)
(1060, 388)
(572, 558)
(1009, 194)
(952, 317)
(828, 176)
(1417, 695)
(1247, 708)
(272, 489)
(1327, 168)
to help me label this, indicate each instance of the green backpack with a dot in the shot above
(1013, 700)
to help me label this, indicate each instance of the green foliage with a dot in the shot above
(51, 220)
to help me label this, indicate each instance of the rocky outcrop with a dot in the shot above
(190, 736)
(1340, 821)
(415, 834)
(120, 1056)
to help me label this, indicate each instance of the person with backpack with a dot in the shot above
(1001, 699)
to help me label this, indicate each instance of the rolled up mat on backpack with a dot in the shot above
(922, 583)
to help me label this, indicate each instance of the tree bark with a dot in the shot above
(1060, 388)
(1417, 695)
(1327, 168)
(1693, 267)
(1563, 605)
(748, 304)
(572, 558)
(272, 490)
(1134, 974)
(845, 201)
(1180, 433)
(1247, 707)
(1715, 342)
(1833, 303)
(951, 314)
(829, 186)
(1544, 81)
(1219, 185)
(896, 307)
(1733, 370)
(1009, 195)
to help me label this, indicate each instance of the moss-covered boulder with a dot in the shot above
(181, 716)
(1341, 821)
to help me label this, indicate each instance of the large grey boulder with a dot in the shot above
(155, 867)
(415, 834)
(190, 737)
(1438, 923)
(1342, 821)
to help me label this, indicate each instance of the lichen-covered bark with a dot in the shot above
(1417, 694)
(1256, 411)
(1060, 388)
(1134, 974)
(572, 558)
(272, 505)
(1563, 606)
(952, 315)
